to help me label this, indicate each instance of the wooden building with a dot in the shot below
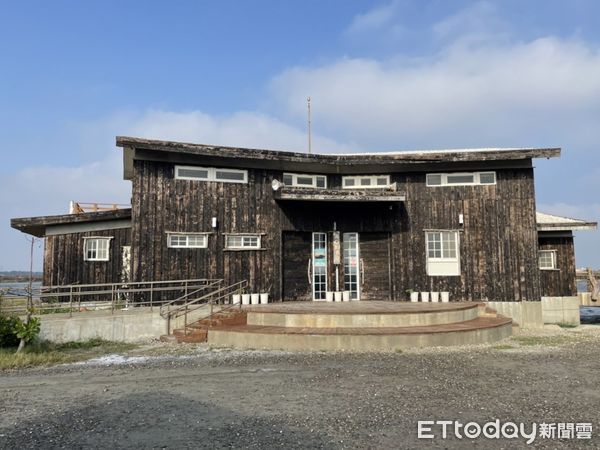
(299, 225)
(557, 253)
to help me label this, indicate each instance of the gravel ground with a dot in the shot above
(166, 396)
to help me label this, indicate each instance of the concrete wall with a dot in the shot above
(123, 326)
(560, 310)
(585, 298)
(525, 314)
(551, 310)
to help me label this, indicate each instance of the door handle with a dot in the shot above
(308, 271)
(362, 272)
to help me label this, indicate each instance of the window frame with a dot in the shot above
(554, 259)
(89, 239)
(443, 259)
(171, 234)
(295, 177)
(211, 174)
(373, 178)
(242, 236)
(476, 178)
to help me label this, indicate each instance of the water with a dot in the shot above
(18, 288)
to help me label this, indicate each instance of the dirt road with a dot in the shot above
(225, 398)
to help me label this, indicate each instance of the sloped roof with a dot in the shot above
(36, 226)
(349, 163)
(551, 222)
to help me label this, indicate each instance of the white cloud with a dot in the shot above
(243, 129)
(374, 19)
(493, 92)
(47, 190)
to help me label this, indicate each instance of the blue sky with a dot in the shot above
(382, 76)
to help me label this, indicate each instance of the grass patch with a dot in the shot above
(567, 325)
(550, 341)
(49, 354)
(503, 347)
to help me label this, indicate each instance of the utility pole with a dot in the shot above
(309, 130)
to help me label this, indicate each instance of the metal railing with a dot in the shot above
(188, 304)
(104, 296)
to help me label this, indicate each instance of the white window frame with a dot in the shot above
(243, 236)
(295, 177)
(357, 180)
(443, 265)
(88, 240)
(179, 235)
(553, 259)
(476, 179)
(212, 174)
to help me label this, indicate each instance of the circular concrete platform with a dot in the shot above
(360, 314)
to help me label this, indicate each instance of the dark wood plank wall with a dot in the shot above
(64, 260)
(498, 241)
(297, 248)
(562, 281)
(375, 257)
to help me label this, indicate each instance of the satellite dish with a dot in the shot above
(276, 185)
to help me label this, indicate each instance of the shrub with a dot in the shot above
(28, 331)
(8, 331)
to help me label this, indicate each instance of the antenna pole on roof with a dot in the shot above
(309, 131)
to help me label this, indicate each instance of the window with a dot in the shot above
(547, 259)
(187, 240)
(242, 241)
(442, 253)
(305, 180)
(366, 181)
(211, 174)
(96, 248)
(461, 179)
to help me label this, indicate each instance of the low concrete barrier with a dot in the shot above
(550, 310)
(561, 310)
(585, 299)
(132, 325)
(525, 314)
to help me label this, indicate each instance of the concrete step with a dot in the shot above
(198, 331)
(372, 339)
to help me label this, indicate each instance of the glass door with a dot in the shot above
(319, 265)
(351, 265)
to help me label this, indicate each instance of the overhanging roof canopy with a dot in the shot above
(338, 195)
(550, 222)
(376, 162)
(36, 226)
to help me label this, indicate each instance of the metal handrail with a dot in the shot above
(210, 298)
(165, 307)
(115, 294)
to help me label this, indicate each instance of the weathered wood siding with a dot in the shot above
(297, 247)
(376, 264)
(498, 241)
(562, 281)
(64, 258)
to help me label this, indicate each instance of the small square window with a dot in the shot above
(487, 178)
(434, 179)
(547, 259)
(96, 249)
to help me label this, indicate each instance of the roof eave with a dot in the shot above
(346, 159)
